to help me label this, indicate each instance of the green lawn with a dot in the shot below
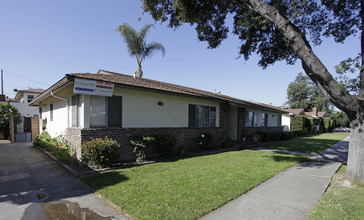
(340, 202)
(188, 188)
(313, 144)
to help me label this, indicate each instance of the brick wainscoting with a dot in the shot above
(185, 138)
(252, 130)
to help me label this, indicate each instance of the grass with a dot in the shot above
(312, 144)
(341, 202)
(188, 188)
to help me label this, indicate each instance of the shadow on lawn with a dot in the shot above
(288, 158)
(335, 154)
(307, 145)
(100, 181)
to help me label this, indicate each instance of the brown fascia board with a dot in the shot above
(48, 91)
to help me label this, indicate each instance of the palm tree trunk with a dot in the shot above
(139, 72)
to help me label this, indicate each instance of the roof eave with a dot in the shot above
(48, 91)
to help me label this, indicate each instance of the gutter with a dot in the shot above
(68, 106)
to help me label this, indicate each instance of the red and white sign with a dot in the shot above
(92, 87)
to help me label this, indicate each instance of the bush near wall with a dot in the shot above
(274, 136)
(58, 147)
(328, 124)
(165, 144)
(302, 125)
(100, 152)
(298, 123)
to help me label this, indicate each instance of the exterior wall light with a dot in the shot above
(160, 103)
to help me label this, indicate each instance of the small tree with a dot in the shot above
(6, 112)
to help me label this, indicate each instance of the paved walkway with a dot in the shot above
(28, 177)
(291, 194)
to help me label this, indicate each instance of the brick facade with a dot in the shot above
(225, 116)
(252, 130)
(241, 122)
(185, 138)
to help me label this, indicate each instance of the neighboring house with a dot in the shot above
(85, 105)
(317, 117)
(286, 118)
(21, 101)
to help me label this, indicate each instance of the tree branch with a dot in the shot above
(312, 65)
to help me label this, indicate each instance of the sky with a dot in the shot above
(42, 40)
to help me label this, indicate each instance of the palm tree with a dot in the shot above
(137, 46)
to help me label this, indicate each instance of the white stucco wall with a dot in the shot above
(59, 122)
(286, 122)
(61, 119)
(140, 109)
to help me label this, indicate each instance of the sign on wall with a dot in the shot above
(93, 87)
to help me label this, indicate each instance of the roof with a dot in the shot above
(295, 111)
(20, 93)
(319, 114)
(128, 81)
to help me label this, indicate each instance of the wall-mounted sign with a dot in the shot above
(92, 87)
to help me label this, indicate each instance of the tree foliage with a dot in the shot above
(280, 30)
(6, 112)
(350, 84)
(302, 93)
(137, 45)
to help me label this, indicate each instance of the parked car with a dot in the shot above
(341, 129)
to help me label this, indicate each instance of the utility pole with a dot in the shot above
(2, 83)
(2, 96)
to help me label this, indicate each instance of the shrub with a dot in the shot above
(224, 141)
(309, 125)
(298, 123)
(287, 135)
(58, 146)
(139, 143)
(165, 144)
(206, 141)
(264, 136)
(100, 152)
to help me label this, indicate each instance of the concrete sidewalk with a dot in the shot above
(291, 194)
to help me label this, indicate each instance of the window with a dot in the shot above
(51, 112)
(279, 120)
(76, 110)
(100, 105)
(251, 119)
(114, 111)
(97, 111)
(40, 113)
(30, 98)
(201, 116)
(263, 120)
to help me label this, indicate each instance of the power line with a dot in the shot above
(22, 77)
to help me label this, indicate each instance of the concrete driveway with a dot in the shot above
(32, 186)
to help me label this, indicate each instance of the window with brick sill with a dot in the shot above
(201, 116)
(105, 111)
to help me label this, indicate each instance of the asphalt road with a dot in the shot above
(32, 186)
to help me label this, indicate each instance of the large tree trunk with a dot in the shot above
(355, 168)
(319, 74)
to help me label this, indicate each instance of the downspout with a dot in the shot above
(68, 106)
